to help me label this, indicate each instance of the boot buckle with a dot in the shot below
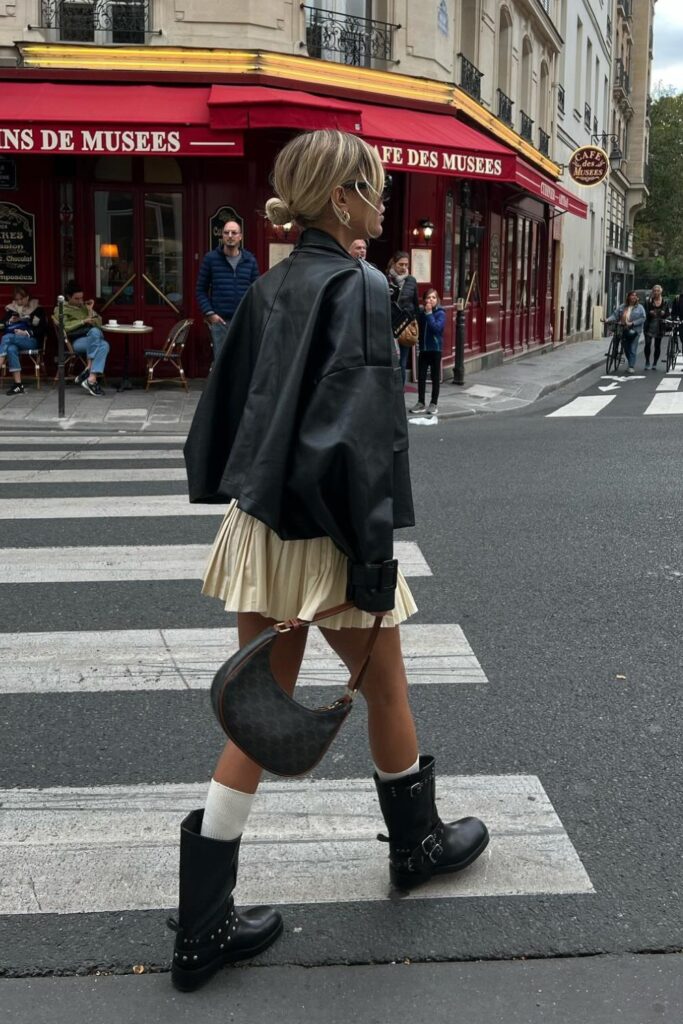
(415, 789)
(434, 851)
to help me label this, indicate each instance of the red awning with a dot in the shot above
(531, 180)
(50, 117)
(246, 106)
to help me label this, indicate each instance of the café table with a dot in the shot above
(126, 330)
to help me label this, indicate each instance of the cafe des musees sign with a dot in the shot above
(588, 165)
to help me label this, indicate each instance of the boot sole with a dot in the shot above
(411, 881)
(189, 981)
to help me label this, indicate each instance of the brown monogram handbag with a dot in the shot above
(275, 731)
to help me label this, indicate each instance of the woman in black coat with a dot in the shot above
(403, 291)
(302, 428)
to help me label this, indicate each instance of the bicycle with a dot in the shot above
(615, 352)
(674, 347)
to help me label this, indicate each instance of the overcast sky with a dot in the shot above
(668, 60)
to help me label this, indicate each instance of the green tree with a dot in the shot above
(658, 240)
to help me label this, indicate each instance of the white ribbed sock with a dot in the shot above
(392, 776)
(226, 812)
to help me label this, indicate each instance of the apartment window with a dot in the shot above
(579, 73)
(88, 21)
(504, 51)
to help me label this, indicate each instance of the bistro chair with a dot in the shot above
(37, 357)
(171, 354)
(74, 363)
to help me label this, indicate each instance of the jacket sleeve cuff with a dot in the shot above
(372, 585)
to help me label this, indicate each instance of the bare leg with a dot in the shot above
(391, 728)
(235, 769)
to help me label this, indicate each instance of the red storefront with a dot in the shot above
(125, 187)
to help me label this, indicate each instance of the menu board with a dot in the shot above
(17, 245)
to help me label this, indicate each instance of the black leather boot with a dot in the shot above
(209, 931)
(420, 844)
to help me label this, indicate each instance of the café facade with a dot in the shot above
(121, 174)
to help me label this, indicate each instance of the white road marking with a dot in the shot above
(666, 404)
(91, 454)
(586, 405)
(179, 659)
(111, 507)
(88, 476)
(93, 850)
(72, 440)
(609, 387)
(669, 384)
(118, 563)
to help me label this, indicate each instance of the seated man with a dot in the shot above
(17, 337)
(82, 326)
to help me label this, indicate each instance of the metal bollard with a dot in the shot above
(61, 412)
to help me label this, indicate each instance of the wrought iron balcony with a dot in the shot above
(560, 99)
(621, 77)
(470, 78)
(505, 106)
(527, 127)
(78, 21)
(348, 39)
(587, 114)
(543, 142)
(626, 7)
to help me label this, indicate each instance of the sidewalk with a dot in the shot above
(168, 409)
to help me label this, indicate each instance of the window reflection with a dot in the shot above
(163, 248)
(114, 245)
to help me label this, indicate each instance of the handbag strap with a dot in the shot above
(356, 677)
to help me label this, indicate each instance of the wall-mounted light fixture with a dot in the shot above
(616, 157)
(426, 227)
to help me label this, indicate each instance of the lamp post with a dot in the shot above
(461, 314)
(60, 358)
(616, 157)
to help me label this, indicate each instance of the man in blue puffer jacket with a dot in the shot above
(224, 276)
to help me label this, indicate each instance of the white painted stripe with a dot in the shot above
(669, 384)
(179, 659)
(91, 850)
(666, 405)
(91, 455)
(154, 562)
(112, 507)
(68, 440)
(586, 405)
(88, 476)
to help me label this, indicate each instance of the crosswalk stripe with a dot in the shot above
(185, 659)
(72, 440)
(669, 384)
(98, 849)
(666, 404)
(112, 507)
(91, 455)
(585, 405)
(87, 476)
(118, 563)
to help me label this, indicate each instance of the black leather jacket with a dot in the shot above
(303, 418)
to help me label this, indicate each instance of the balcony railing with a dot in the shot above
(621, 77)
(543, 142)
(78, 21)
(470, 78)
(348, 39)
(560, 99)
(505, 106)
(626, 8)
(587, 114)
(526, 128)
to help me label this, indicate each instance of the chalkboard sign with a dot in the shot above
(8, 172)
(17, 245)
(216, 222)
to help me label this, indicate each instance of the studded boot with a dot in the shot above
(209, 931)
(420, 844)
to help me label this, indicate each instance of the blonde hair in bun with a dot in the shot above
(311, 165)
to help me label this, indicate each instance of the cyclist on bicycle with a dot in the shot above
(631, 316)
(657, 311)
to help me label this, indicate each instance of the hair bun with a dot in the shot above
(278, 212)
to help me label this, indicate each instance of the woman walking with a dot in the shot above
(631, 316)
(657, 310)
(432, 321)
(403, 291)
(302, 428)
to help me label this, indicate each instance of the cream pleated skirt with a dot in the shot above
(252, 570)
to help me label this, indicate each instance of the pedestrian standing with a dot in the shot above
(432, 321)
(224, 277)
(359, 248)
(403, 291)
(302, 428)
(631, 316)
(657, 311)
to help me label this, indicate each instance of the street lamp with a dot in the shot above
(616, 157)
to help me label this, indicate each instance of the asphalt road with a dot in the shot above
(554, 543)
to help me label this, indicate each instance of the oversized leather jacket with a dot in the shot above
(303, 418)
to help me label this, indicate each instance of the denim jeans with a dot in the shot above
(219, 333)
(428, 361)
(11, 345)
(630, 343)
(93, 346)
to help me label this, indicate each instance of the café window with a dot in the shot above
(97, 21)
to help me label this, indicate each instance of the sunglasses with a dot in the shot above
(386, 191)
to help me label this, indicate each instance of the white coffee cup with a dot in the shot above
(113, 323)
(138, 323)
